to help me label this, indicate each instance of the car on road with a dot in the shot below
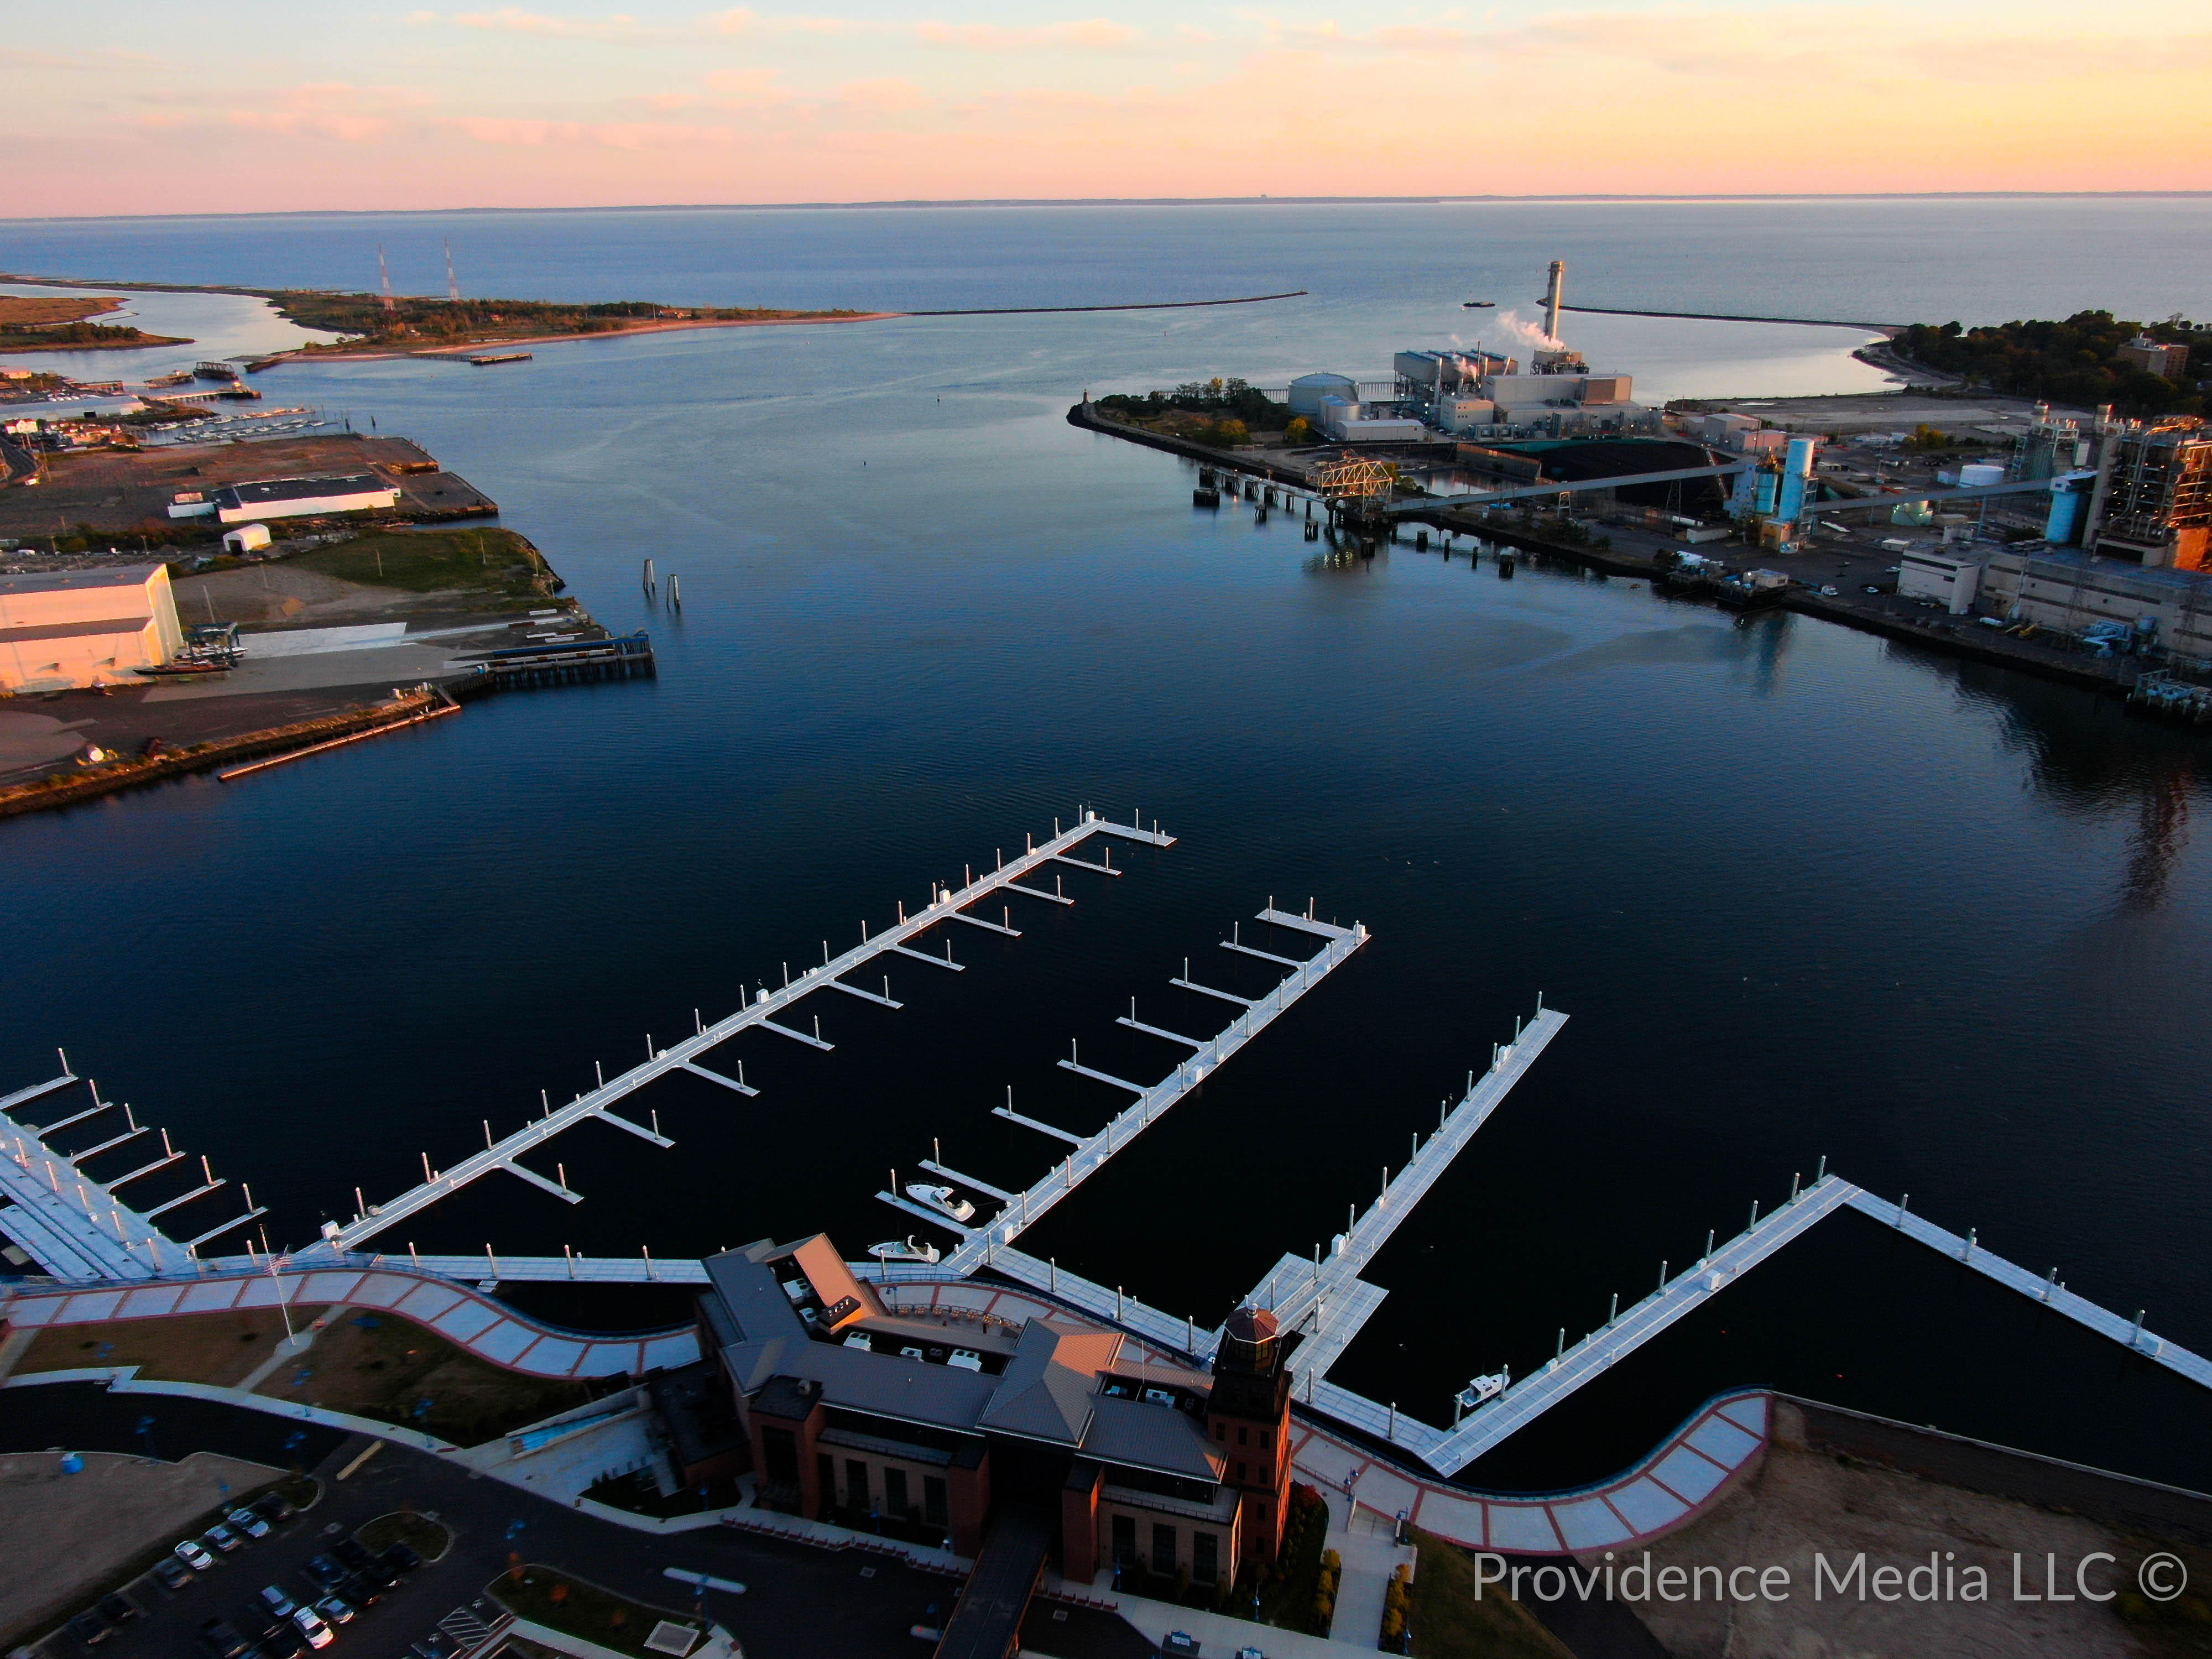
(325, 1571)
(401, 1558)
(193, 1556)
(173, 1574)
(224, 1537)
(336, 1610)
(311, 1628)
(90, 1628)
(274, 1599)
(118, 1609)
(222, 1640)
(247, 1521)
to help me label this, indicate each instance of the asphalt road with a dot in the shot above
(800, 1602)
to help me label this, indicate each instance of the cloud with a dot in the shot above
(744, 20)
(604, 135)
(1091, 34)
(887, 96)
(512, 19)
(22, 59)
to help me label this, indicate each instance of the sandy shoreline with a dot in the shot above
(483, 346)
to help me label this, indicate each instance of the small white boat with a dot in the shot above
(941, 1199)
(903, 1249)
(1480, 1388)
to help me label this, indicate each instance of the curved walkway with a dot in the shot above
(1688, 1472)
(466, 1317)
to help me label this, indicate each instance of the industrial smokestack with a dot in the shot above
(1551, 297)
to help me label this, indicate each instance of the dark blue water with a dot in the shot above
(1803, 893)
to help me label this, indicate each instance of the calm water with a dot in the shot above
(1804, 893)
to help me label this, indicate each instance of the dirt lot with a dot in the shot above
(119, 492)
(1801, 1503)
(61, 1534)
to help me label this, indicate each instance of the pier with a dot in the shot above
(77, 1227)
(945, 903)
(1089, 1154)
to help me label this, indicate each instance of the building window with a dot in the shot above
(856, 1483)
(1125, 1540)
(1204, 1558)
(1240, 1474)
(933, 1509)
(825, 1471)
(1164, 1547)
(1221, 1432)
(895, 1500)
(1240, 1434)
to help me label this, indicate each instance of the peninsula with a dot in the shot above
(43, 322)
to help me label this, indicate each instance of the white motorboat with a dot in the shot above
(903, 1249)
(941, 1199)
(1480, 1388)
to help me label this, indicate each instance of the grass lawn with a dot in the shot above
(1449, 1622)
(218, 1348)
(379, 1365)
(546, 1596)
(493, 564)
(429, 1539)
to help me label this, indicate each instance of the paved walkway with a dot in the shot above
(1686, 1474)
(468, 1318)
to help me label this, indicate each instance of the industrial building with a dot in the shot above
(1109, 1452)
(2137, 490)
(299, 498)
(2069, 590)
(82, 628)
(1951, 577)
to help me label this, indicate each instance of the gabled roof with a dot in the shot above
(1047, 1390)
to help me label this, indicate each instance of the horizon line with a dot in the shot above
(925, 204)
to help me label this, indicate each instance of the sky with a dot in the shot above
(242, 106)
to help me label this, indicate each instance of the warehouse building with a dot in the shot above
(300, 498)
(82, 628)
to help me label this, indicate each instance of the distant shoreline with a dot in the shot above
(912, 204)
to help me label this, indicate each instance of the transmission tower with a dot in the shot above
(384, 272)
(453, 282)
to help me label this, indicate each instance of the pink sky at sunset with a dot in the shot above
(245, 107)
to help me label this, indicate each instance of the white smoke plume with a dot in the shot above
(1514, 327)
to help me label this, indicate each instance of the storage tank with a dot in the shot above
(1979, 473)
(1308, 391)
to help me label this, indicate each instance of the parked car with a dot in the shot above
(222, 1640)
(193, 1556)
(1178, 1641)
(350, 1551)
(247, 1521)
(222, 1538)
(437, 1646)
(274, 1506)
(173, 1574)
(401, 1558)
(274, 1599)
(117, 1608)
(90, 1628)
(369, 1584)
(324, 1571)
(282, 1641)
(312, 1629)
(335, 1610)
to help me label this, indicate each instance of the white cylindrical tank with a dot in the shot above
(1979, 473)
